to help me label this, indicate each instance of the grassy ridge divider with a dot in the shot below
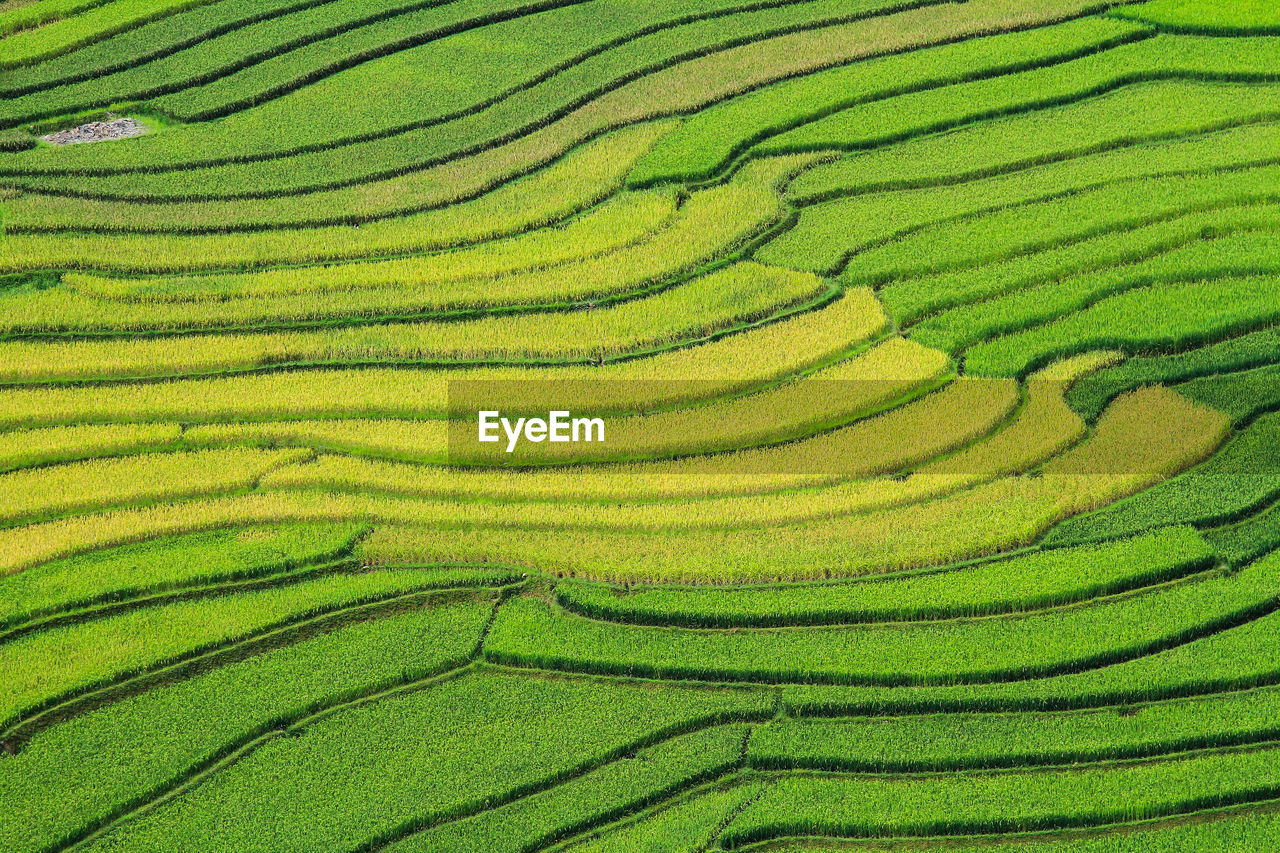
(28, 15)
(417, 726)
(1248, 17)
(1004, 649)
(866, 250)
(94, 24)
(694, 820)
(1139, 320)
(584, 803)
(741, 298)
(145, 44)
(1254, 349)
(1236, 482)
(55, 708)
(138, 749)
(957, 742)
(364, 135)
(1242, 255)
(170, 565)
(1007, 585)
(712, 140)
(1005, 802)
(34, 448)
(581, 179)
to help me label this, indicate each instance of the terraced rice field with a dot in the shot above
(936, 346)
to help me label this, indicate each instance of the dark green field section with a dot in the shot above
(939, 347)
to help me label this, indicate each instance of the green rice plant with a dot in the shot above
(1132, 115)
(1248, 539)
(1211, 832)
(567, 61)
(587, 801)
(1200, 16)
(689, 824)
(135, 47)
(51, 666)
(1091, 395)
(169, 564)
(914, 114)
(931, 743)
(635, 81)
(405, 762)
(1142, 439)
(37, 493)
(70, 778)
(167, 59)
(65, 27)
(739, 297)
(709, 140)
(912, 300)
(33, 447)
(528, 632)
(1145, 319)
(586, 176)
(1235, 482)
(1005, 802)
(28, 14)
(1240, 254)
(1242, 395)
(1040, 579)
(896, 233)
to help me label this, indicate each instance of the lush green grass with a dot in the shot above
(170, 564)
(1205, 16)
(528, 633)
(70, 778)
(406, 761)
(1091, 394)
(1005, 802)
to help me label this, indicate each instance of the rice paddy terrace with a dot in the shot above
(939, 341)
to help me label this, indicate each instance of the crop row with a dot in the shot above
(1140, 441)
(995, 649)
(1005, 802)
(1205, 16)
(713, 223)
(739, 298)
(708, 141)
(585, 177)
(1128, 186)
(1148, 319)
(70, 778)
(590, 95)
(1037, 580)
(1245, 254)
(1239, 479)
(218, 556)
(1091, 395)
(962, 415)
(403, 762)
(63, 662)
